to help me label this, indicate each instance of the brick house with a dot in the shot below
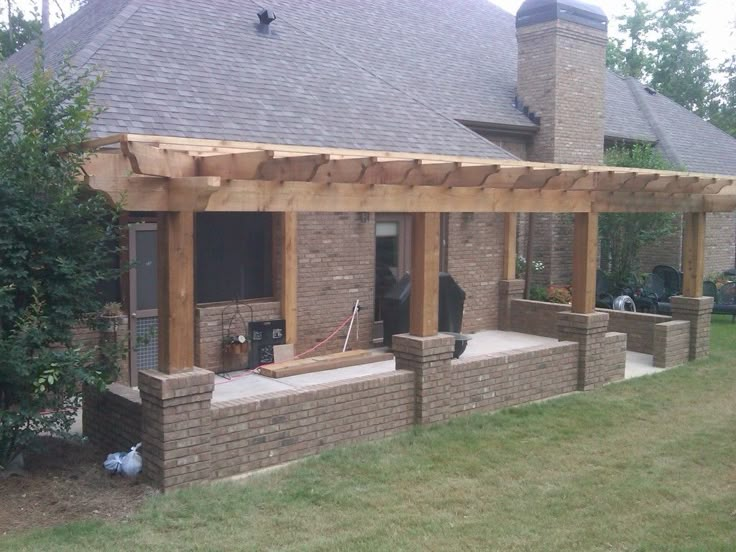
(431, 77)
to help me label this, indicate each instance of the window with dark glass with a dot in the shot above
(233, 256)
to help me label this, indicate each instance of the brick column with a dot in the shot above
(430, 360)
(589, 331)
(671, 343)
(508, 290)
(176, 426)
(697, 311)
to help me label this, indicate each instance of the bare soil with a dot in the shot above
(64, 481)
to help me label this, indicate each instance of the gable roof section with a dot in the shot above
(206, 70)
(624, 116)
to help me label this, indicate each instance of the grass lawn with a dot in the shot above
(644, 465)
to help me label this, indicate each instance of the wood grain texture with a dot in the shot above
(693, 255)
(585, 262)
(425, 274)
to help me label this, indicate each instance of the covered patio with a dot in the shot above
(195, 428)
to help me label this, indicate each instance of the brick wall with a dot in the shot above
(112, 419)
(536, 317)
(254, 433)
(336, 266)
(208, 328)
(639, 327)
(720, 242)
(508, 379)
(664, 251)
(671, 343)
(475, 253)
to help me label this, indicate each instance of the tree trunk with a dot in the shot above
(45, 24)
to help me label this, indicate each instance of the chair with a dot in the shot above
(725, 300)
(603, 297)
(672, 279)
(649, 299)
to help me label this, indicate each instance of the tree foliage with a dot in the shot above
(623, 235)
(16, 31)
(662, 49)
(56, 241)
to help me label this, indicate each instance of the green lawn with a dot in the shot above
(644, 465)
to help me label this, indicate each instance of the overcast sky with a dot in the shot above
(715, 22)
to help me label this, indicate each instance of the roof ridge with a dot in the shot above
(390, 84)
(100, 37)
(636, 89)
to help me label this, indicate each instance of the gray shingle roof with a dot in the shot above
(383, 74)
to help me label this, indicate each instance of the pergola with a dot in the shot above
(177, 177)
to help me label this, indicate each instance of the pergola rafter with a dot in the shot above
(176, 177)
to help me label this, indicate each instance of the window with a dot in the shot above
(233, 256)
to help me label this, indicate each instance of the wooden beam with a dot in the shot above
(233, 165)
(509, 246)
(425, 274)
(585, 262)
(693, 255)
(151, 161)
(176, 292)
(289, 274)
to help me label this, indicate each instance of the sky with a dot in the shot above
(716, 20)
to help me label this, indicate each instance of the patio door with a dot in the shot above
(143, 299)
(393, 254)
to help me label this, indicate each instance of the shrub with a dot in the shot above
(56, 239)
(538, 293)
(559, 294)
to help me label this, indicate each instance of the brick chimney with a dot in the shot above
(561, 78)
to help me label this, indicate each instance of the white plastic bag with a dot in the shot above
(113, 463)
(132, 463)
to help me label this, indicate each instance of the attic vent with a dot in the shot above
(266, 16)
(650, 90)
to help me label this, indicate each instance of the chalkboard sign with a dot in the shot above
(263, 336)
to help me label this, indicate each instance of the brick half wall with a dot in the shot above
(112, 419)
(638, 327)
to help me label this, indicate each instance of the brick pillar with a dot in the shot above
(589, 332)
(508, 290)
(671, 343)
(697, 311)
(430, 360)
(176, 426)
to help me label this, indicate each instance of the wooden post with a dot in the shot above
(693, 255)
(585, 262)
(529, 257)
(509, 246)
(289, 267)
(425, 265)
(176, 292)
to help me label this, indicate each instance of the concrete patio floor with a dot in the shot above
(242, 385)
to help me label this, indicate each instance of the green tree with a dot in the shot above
(56, 240)
(623, 235)
(16, 32)
(662, 49)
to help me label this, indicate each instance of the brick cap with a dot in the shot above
(507, 286)
(691, 304)
(157, 383)
(411, 343)
(592, 320)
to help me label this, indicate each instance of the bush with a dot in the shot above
(538, 293)
(559, 294)
(56, 239)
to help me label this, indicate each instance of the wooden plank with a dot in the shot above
(233, 165)
(323, 363)
(289, 274)
(107, 164)
(425, 274)
(292, 168)
(150, 161)
(693, 254)
(176, 292)
(510, 224)
(585, 262)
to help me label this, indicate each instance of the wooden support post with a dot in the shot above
(585, 262)
(289, 269)
(425, 266)
(693, 255)
(509, 246)
(176, 292)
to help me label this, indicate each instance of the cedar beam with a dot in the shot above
(693, 254)
(585, 262)
(425, 274)
(509, 246)
(289, 267)
(176, 292)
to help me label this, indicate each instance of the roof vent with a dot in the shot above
(650, 90)
(266, 16)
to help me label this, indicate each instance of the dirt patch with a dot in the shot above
(64, 481)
